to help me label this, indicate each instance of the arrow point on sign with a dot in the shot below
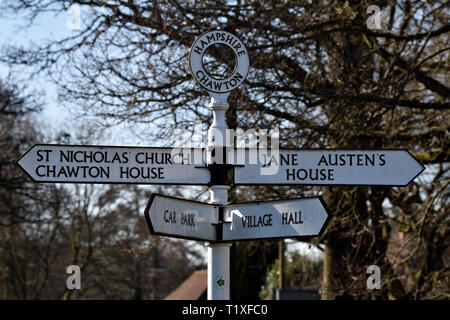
(147, 213)
(328, 214)
(22, 163)
(181, 218)
(415, 172)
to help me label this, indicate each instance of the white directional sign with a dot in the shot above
(101, 164)
(182, 218)
(326, 167)
(303, 217)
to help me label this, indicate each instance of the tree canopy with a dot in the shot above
(320, 73)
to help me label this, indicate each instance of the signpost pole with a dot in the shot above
(281, 258)
(219, 90)
(218, 253)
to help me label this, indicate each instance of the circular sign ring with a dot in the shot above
(197, 68)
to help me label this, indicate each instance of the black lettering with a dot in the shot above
(73, 171)
(268, 220)
(116, 158)
(342, 160)
(351, 158)
(304, 171)
(123, 172)
(284, 218)
(170, 216)
(74, 157)
(294, 159)
(210, 37)
(135, 172)
(331, 174)
(370, 159)
(101, 157)
(202, 77)
(165, 216)
(38, 172)
(330, 159)
(84, 170)
(61, 172)
(203, 43)
(149, 158)
(244, 221)
(94, 172)
(198, 50)
(323, 175)
(290, 173)
(104, 172)
(311, 176)
(51, 171)
(283, 159)
(292, 217)
(86, 157)
(161, 158)
(382, 160)
(322, 159)
(290, 220)
(65, 156)
(40, 157)
(359, 160)
(167, 159)
(260, 221)
(145, 173)
(250, 223)
(187, 219)
(298, 217)
(137, 157)
(124, 157)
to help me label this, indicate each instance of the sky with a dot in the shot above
(54, 116)
(50, 26)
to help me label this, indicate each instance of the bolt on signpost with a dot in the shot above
(219, 90)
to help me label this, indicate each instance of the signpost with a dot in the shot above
(187, 219)
(219, 222)
(137, 165)
(181, 218)
(305, 217)
(101, 164)
(329, 167)
(219, 90)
